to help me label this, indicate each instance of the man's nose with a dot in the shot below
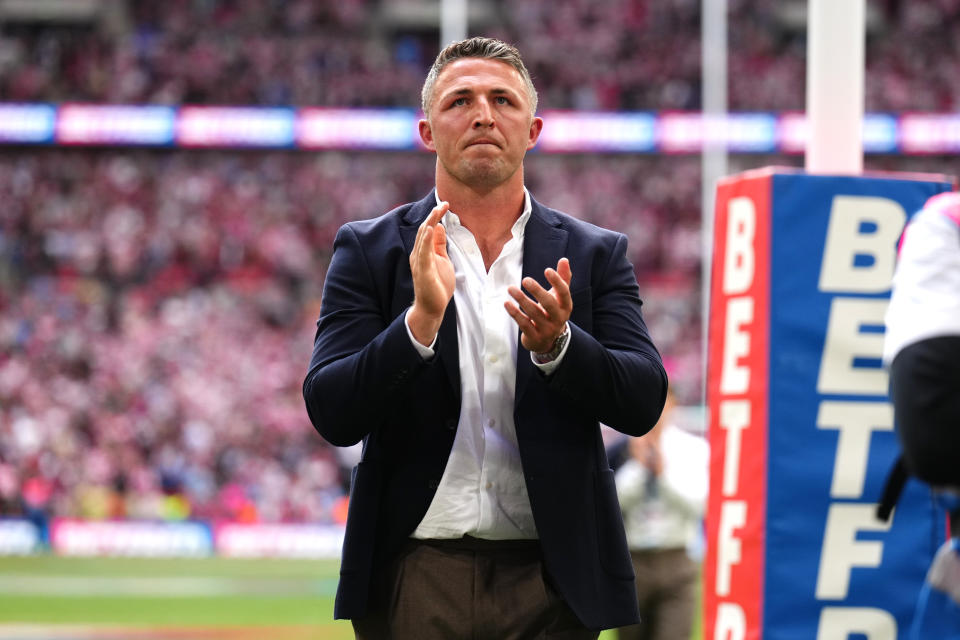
(484, 114)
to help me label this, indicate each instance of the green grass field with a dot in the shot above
(294, 598)
(191, 598)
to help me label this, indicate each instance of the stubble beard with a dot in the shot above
(482, 173)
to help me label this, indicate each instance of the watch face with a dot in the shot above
(554, 352)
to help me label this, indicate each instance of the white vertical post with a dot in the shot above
(453, 21)
(836, 34)
(713, 159)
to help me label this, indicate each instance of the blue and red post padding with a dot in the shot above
(801, 427)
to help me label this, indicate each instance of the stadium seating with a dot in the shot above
(158, 305)
(617, 55)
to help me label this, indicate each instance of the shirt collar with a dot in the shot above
(451, 219)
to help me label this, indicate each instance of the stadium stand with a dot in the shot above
(158, 305)
(614, 55)
(160, 310)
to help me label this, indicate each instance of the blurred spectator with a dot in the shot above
(662, 489)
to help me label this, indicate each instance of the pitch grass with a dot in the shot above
(50, 590)
(293, 598)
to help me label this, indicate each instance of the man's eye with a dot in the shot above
(502, 100)
(458, 102)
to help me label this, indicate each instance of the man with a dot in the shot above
(483, 506)
(663, 490)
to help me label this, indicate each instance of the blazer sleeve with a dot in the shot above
(362, 358)
(613, 371)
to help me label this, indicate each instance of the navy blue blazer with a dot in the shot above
(367, 382)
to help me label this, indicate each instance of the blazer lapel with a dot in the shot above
(544, 243)
(447, 348)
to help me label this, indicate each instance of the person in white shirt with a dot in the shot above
(922, 352)
(474, 341)
(662, 487)
(922, 342)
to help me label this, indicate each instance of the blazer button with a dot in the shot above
(451, 424)
(433, 484)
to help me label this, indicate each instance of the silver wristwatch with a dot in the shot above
(558, 345)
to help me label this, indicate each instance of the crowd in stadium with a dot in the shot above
(159, 312)
(612, 55)
(158, 306)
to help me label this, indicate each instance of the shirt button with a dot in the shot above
(491, 422)
(489, 485)
(494, 358)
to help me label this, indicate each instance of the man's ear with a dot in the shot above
(536, 126)
(426, 134)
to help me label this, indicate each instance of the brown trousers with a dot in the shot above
(468, 589)
(667, 594)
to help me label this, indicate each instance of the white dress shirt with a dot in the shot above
(925, 302)
(482, 492)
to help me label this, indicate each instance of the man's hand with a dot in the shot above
(433, 277)
(543, 317)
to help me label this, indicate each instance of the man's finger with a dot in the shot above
(432, 218)
(424, 252)
(561, 289)
(563, 268)
(530, 307)
(522, 320)
(437, 213)
(551, 303)
(431, 221)
(540, 294)
(440, 240)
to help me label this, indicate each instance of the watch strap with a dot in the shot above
(556, 349)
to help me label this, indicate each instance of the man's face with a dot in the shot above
(480, 123)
